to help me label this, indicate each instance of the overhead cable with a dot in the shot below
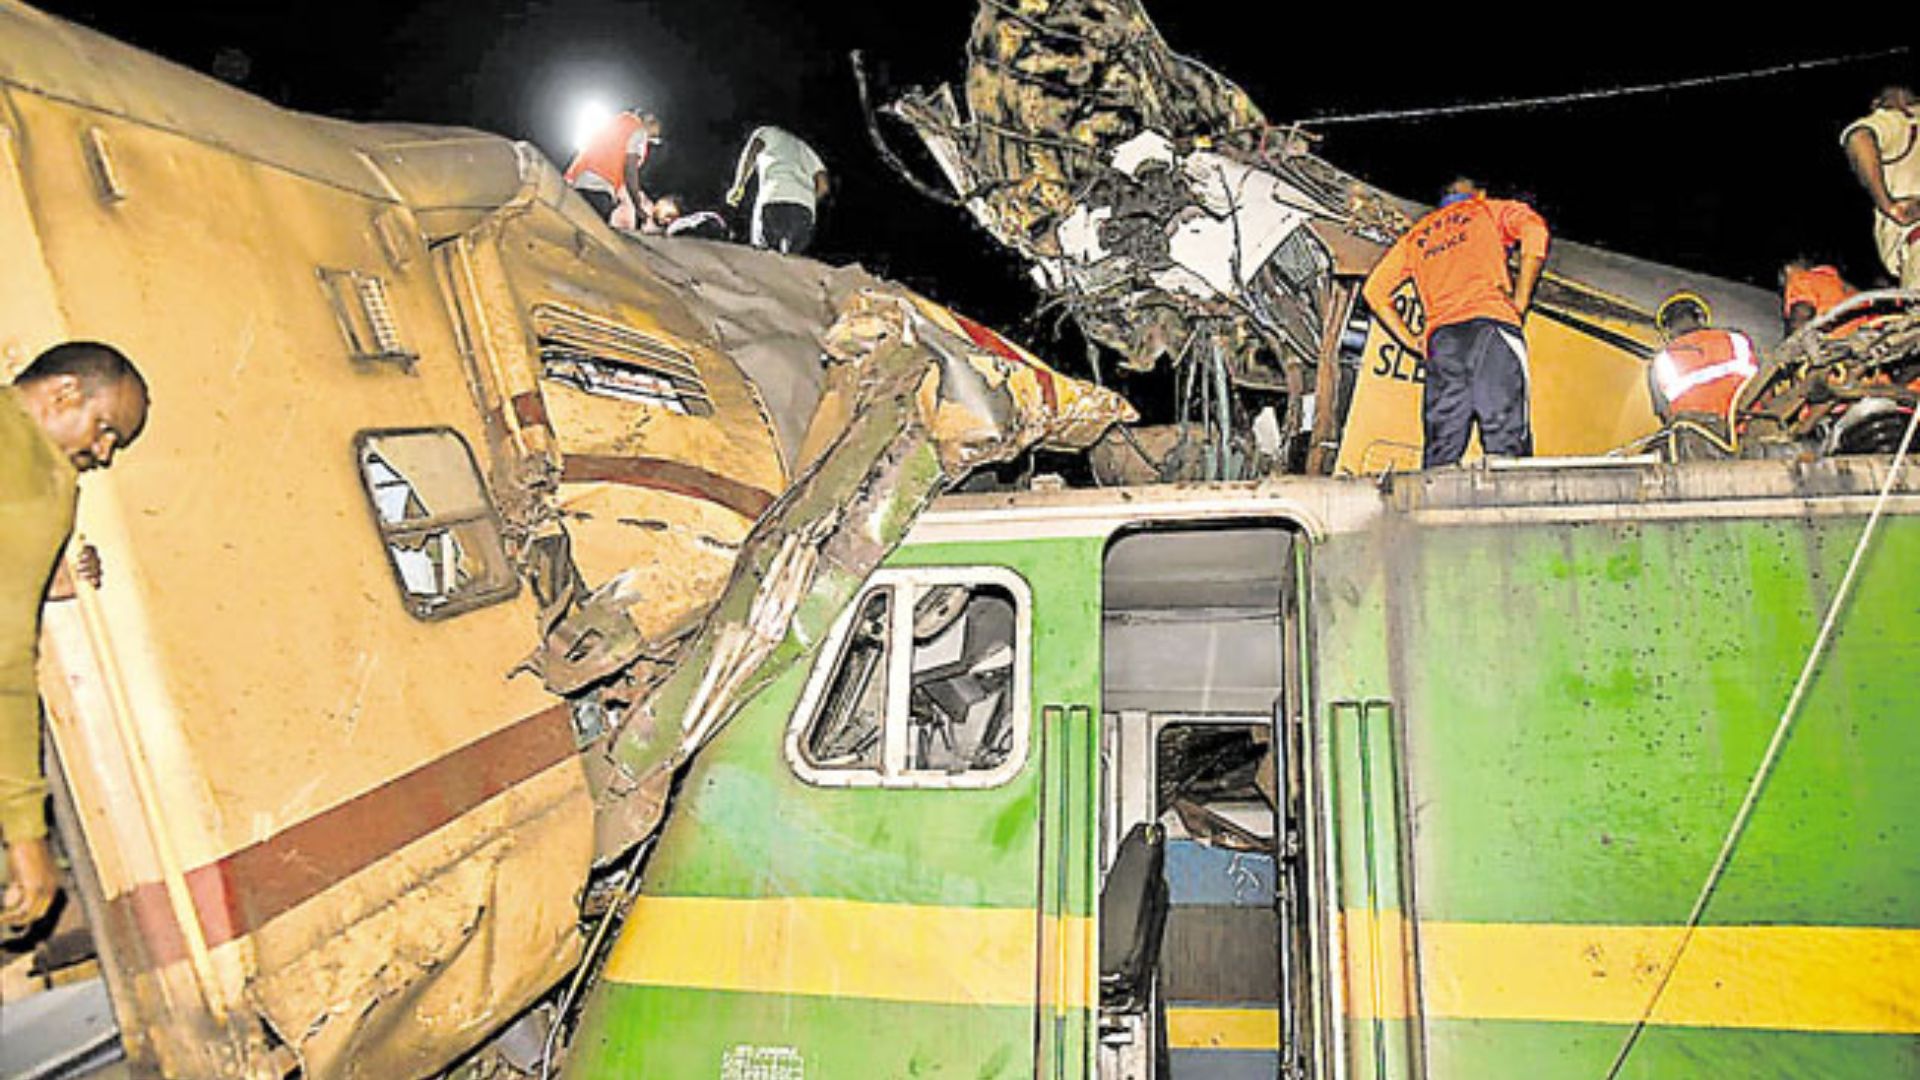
(1768, 760)
(1581, 96)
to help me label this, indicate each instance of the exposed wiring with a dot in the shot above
(880, 143)
(1772, 757)
(1515, 104)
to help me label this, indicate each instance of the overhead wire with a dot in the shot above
(1771, 758)
(1581, 96)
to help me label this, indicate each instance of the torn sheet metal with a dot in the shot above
(1846, 383)
(915, 397)
(1843, 384)
(1158, 207)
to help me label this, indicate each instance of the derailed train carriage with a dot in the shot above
(1308, 777)
(446, 486)
(1531, 772)
(1558, 769)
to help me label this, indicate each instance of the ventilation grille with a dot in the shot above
(366, 317)
(607, 359)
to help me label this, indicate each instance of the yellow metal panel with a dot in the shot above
(1197, 1028)
(1588, 396)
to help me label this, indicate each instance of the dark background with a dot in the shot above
(1731, 179)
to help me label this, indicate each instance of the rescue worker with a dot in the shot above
(1808, 290)
(1701, 370)
(1884, 149)
(72, 410)
(606, 171)
(1443, 291)
(792, 182)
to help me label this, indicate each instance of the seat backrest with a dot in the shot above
(1133, 916)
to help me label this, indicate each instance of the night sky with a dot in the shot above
(1730, 179)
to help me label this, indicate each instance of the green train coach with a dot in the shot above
(1543, 771)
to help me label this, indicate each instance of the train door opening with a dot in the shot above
(1202, 930)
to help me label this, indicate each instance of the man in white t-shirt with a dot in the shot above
(792, 181)
(1884, 149)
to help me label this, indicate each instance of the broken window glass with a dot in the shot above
(847, 734)
(439, 528)
(925, 686)
(960, 706)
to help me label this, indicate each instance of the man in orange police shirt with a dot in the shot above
(1443, 290)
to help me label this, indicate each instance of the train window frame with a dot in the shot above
(480, 529)
(906, 586)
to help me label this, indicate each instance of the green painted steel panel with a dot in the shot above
(1582, 707)
(745, 826)
(1509, 1048)
(666, 1033)
(1588, 704)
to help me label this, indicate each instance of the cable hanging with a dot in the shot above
(1581, 96)
(1770, 758)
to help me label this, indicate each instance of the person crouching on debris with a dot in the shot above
(792, 182)
(1443, 291)
(1699, 373)
(606, 171)
(71, 410)
(1808, 291)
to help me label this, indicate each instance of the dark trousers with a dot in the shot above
(784, 227)
(1476, 374)
(602, 202)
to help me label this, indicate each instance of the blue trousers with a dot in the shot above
(1476, 373)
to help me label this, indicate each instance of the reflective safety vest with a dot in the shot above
(602, 163)
(1702, 370)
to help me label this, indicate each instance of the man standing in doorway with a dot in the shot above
(1884, 149)
(792, 181)
(1443, 291)
(606, 171)
(72, 410)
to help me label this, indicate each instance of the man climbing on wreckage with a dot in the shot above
(1699, 373)
(70, 411)
(1443, 291)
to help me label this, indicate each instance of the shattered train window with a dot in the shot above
(441, 535)
(923, 684)
(848, 731)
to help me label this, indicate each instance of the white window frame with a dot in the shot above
(906, 583)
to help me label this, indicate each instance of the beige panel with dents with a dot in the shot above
(417, 960)
(254, 630)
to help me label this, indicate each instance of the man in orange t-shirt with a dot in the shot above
(1807, 291)
(1443, 290)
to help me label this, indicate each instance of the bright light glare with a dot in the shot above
(589, 116)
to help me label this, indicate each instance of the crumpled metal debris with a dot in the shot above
(1845, 383)
(1836, 388)
(915, 397)
(1159, 208)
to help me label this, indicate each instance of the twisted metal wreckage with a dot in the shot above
(495, 437)
(915, 398)
(1163, 213)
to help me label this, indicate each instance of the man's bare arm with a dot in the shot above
(1863, 153)
(1526, 281)
(741, 171)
